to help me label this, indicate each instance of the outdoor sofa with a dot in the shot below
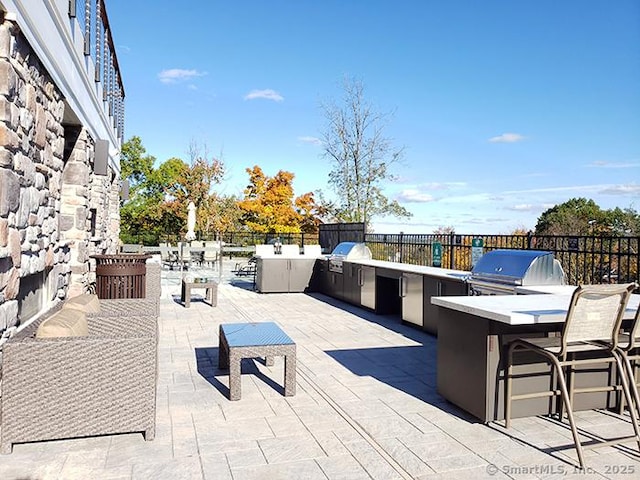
(88, 367)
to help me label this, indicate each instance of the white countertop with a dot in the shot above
(519, 309)
(555, 289)
(457, 275)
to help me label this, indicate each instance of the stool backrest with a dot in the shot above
(596, 313)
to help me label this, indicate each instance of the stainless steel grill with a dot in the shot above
(499, 272)
(347, 251)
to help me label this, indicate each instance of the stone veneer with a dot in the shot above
(54, 212)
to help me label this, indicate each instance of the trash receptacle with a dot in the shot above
(121, 276)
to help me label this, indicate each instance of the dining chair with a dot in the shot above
(197, 251)
(167, 256)
(184, 255)
(211, 251)
(591, 329)
(629, 348)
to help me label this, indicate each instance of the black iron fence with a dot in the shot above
(585, 259)
(243, 239)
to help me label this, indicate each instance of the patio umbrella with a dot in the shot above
(191, 222)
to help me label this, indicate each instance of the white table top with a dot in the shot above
(519, 309)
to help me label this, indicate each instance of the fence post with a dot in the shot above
(452, 238)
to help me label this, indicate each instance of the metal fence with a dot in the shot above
(243, 239)
(585, 259)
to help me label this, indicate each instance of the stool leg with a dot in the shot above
(269, 361)
(507, 387)
(290, 375)
(569, 407)
(235, 380)
(223, 351)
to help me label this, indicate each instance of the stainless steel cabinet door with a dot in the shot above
(412, 302)
(368, 287)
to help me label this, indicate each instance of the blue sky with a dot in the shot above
(504, 108)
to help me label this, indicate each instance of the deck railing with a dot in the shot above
(585, 259)
(92, 18)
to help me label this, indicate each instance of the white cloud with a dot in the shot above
(267, 94)
(310, 140)
(175, 75)
(614, 164)
(568, 189)
(414, 196)
(507, 138)
(524, 207)
(442, 186)
(621, 190)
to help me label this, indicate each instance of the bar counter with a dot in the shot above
(472, 336)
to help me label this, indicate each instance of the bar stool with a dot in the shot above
(592, 325)
(629, 349)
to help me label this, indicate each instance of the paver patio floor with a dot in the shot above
(366, 407)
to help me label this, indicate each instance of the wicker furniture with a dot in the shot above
(101, 383)
(210, 285)
(65, 387)
(589, 337)
(250, 340)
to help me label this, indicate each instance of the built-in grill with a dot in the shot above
(499, 272)
(347, 251)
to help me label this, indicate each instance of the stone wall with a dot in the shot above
(54, 212)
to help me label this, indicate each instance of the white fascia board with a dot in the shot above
(58, 42)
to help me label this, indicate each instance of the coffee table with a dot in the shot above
(250, 340)
(189, 284)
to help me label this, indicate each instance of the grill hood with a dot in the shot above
(347, 251)
(518, 267)
(351, 251)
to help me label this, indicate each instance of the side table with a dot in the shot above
(211, 287)
(250, 340)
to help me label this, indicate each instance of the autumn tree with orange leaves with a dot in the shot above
(268, 205)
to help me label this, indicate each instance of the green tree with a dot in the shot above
(581, 216)
(157, 207)
(361, 158)
(135, 164)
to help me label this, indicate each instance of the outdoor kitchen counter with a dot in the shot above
(395, 288)
(419, 269)
(519, 309)
(472, 336)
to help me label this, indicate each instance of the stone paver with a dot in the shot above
(365, 407)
